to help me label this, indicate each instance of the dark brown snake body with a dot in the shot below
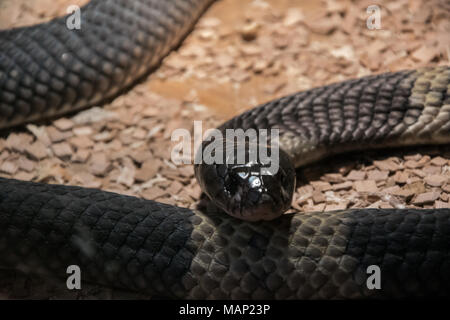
(126, 242)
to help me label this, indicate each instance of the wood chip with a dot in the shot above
(366, 186)
(87, 180)
(435, 180)
(342, 186)
(419, 173)
(167, 200)
(407, 194)
(401, 177)
(141, 155)
(386, 165)
(385, 205)
(356, 175)
(25, 176)
(424, 54)
(412, 164)
(194, 191)
(81, 142)
(62, 150)
(377, 175)
(427, 197)
(415, 187)
(186, 171)
(37, 150)
(324, 26)
(391, 190)
(56, 135)
(99, 164)
(249, 32)
(147, 171)
(321, 185)
(82, 131)
(293, 17)
(174, 187)
(318, 197)
(81, 155)
(338, 206)
(441, 205)
(63, 124)
(126, 176)
(318, 207)
(40, 133)
(9, 167)
(433, 170)
(439, 161)
(153, 193)
(25, 164)
(18, 141)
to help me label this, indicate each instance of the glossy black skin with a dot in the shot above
(247, 191)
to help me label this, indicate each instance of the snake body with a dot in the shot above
(164, 250)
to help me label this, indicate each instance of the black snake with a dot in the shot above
(126, 242)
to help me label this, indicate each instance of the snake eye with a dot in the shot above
(254, 182)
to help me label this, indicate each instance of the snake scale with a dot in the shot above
(126, 242)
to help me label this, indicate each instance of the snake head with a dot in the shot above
(249, 190)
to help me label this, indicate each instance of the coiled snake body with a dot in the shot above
(141, 245)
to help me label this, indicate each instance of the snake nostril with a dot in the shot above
(253, 195)
(221, 171)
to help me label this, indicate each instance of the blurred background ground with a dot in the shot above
(240, 54)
